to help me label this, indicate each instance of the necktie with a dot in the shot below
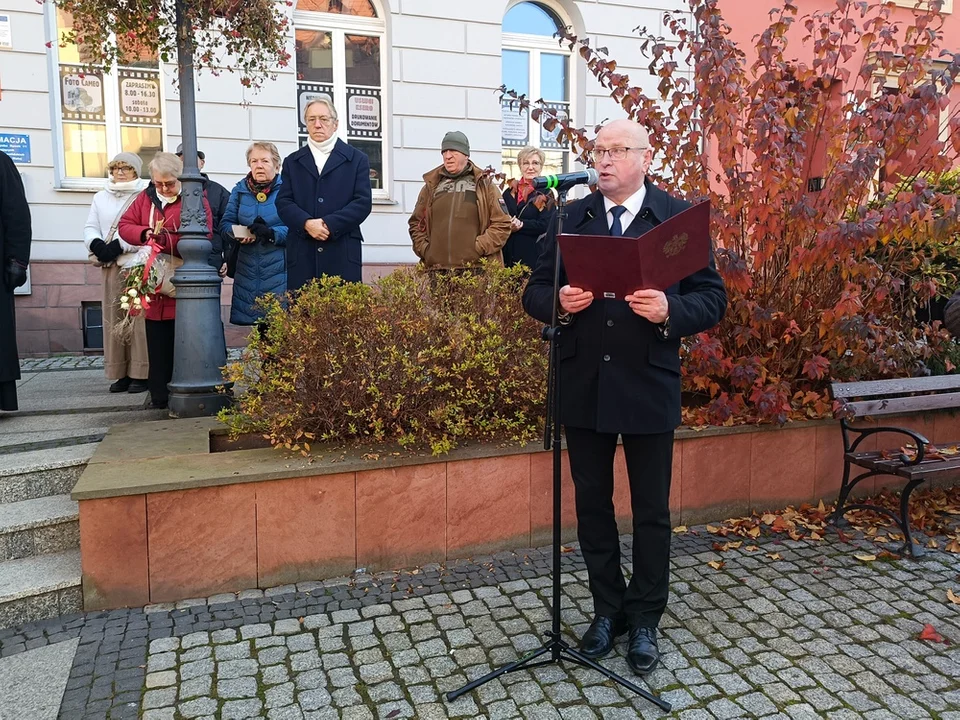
(616, 229)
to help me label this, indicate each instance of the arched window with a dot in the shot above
(534, 65)
(339, 51)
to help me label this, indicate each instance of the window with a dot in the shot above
(535, 66)
(103, 113)
(339, 46)
(922, 5)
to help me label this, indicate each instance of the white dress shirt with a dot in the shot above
(632, 204)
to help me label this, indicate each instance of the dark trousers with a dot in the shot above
(160, 339)
(649, 464)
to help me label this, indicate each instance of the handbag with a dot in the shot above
(231, 256)
(113, 231)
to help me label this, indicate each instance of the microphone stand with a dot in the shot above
(556, 645)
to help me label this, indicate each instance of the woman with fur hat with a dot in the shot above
(124, 363)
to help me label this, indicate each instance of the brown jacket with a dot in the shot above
(494, 222)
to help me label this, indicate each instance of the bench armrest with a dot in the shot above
(917, 438)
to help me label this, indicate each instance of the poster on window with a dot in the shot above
(81, 94)
(140, 97)
(363, 112)
(549, 138)
(514, 125)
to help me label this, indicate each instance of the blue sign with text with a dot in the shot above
(16, 146)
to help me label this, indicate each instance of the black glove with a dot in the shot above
(97, 247)
(110, 252)
(16, 274)
(263, 233)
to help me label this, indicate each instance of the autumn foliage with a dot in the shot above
(823, 174)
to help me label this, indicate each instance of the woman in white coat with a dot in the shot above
(124, 362)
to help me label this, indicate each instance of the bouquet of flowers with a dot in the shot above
(148, 272)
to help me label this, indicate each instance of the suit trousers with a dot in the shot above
(160, 340)
(649, 465)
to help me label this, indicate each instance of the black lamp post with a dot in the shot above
(199, 349)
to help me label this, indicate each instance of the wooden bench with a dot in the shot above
(893, 397)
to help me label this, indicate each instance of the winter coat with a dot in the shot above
(522, 247)
(140, 218)
(494, 224)
(619, 372)
(104, 211)
(341, 197)
(15, 236)
(261, 266)
(217, 196)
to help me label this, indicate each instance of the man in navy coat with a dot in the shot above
(619, 368)
(324, 197)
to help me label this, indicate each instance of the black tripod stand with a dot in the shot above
(555, 644)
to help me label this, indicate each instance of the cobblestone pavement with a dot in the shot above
(81, 362)
(815, 634)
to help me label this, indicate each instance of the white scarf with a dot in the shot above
(123, 188)
(321, 150)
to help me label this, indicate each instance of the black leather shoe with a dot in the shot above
(137, 386)
(121, 385)
(642, 651)
(597, 641)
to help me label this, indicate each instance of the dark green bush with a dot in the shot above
(424, 359)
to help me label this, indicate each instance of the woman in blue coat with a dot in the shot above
(256, 263)
(324, 197)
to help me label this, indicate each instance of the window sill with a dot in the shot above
(384, 201)
(90, 189)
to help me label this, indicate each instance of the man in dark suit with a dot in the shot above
(619, 371)
(324, 197)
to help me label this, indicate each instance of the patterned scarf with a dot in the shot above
(259, 190)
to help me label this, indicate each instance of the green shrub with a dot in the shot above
(424, 359)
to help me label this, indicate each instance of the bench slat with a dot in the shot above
(895, 386)
(893, 405)
(873, 460)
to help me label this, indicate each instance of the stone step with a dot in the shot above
(39, 526)
(39, 473)
(40, 587)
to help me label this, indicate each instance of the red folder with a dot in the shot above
(614, 267)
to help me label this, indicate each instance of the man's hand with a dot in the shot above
(516, 224)
(222, 272)
(573, 300)
(317, 229)
(649, 304)
(16, 274)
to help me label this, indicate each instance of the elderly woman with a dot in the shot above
(256, 262)
(531, 211)
(154, 218)
(324, 197)
(124, 361)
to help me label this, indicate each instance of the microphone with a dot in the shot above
(565, 181)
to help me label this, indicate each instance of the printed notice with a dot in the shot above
(16, 146)
(6, 35)
(363, 112)
(140, 98)
(514, 124)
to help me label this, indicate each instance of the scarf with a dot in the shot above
(260, 190)
(524, 188)
(321, 150)
(123, 188)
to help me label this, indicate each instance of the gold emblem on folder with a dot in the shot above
(675, 245)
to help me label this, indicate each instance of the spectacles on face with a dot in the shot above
(531, 163)
(615, 153)
(324, 120)
(167, 185)
(121, 169)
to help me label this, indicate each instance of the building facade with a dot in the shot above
(402, 73)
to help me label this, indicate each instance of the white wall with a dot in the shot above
(443, 62)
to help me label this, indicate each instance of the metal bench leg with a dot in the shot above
(915, 551)
(836, 517)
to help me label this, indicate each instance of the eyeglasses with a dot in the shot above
(531, 163)
(322, 119)
(171, 184)
(121, 168)
(616, 153)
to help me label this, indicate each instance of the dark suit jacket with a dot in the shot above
(617, 374)
(341, 196)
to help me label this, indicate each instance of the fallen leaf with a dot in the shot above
(768, 519)
(751, 548)
(754, 532)
(713, 529)
(566, 549)
(932, 544)
(866, 558)
(816, 536)
(928, 633)
(716, 564)
(680, 529)
(952, 597)
(774, 556)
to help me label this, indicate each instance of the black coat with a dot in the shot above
(15, 237)
(522, 246)
(341, 196)
(217, 196)
(617, 374)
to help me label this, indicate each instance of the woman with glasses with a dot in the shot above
(531, 211)
(154, 218)
(124, 362)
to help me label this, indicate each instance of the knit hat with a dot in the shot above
(130, 159)
(456, 140)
